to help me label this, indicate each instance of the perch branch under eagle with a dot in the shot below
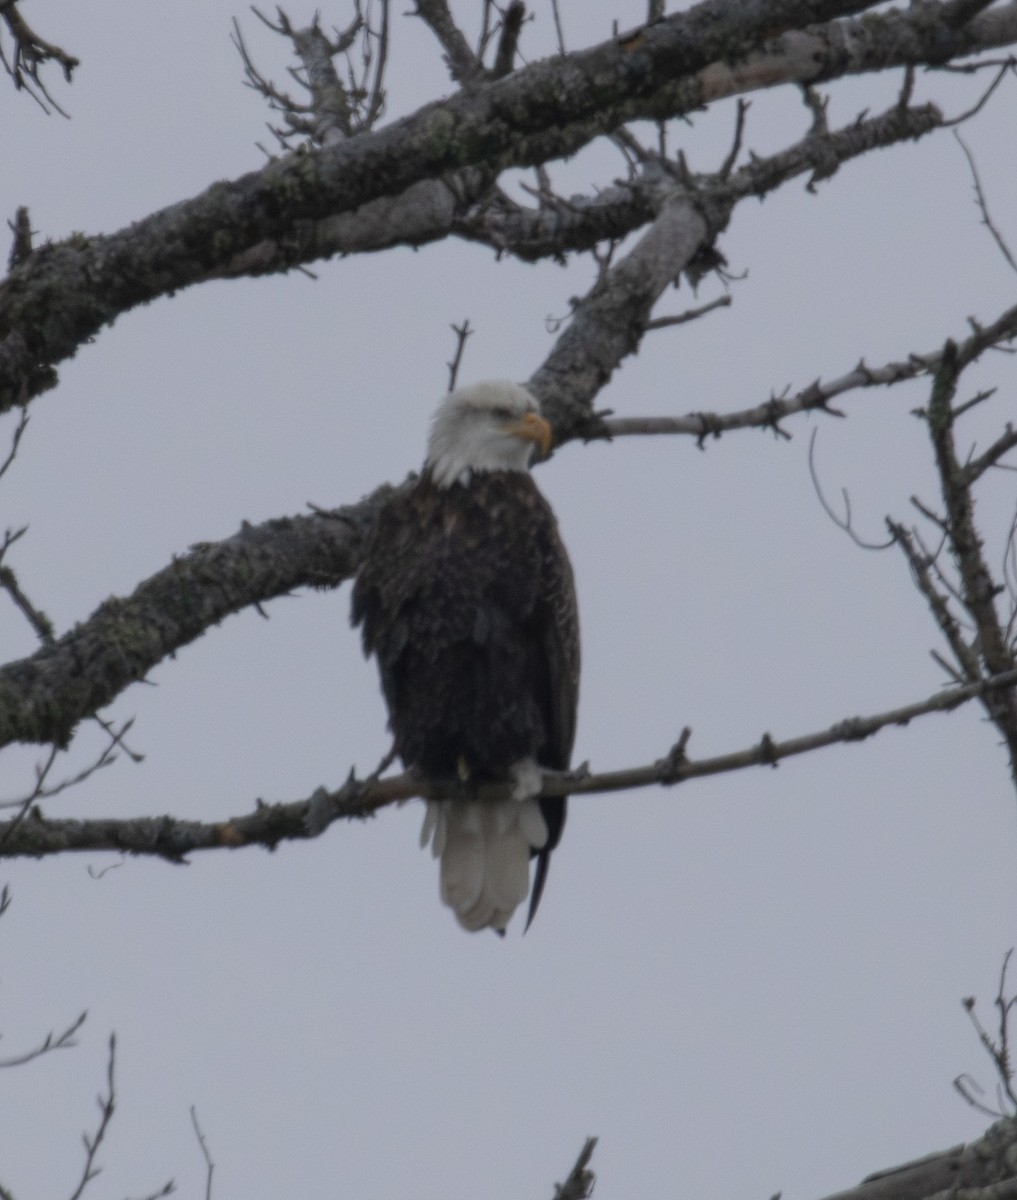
(467, 600)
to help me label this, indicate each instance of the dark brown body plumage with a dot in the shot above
(467, 600)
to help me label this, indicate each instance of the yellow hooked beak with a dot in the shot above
(531, 427)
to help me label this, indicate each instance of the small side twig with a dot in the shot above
(976, 108)
(107, 1105)
(690, 314)
(52, 1041)
(30, 53)
(922, 565)
(997, 1048)
(508, 40)
(558, 31)
(727, 166)
(40, 623)
(209, 1164)
(580, 1181)
(842, 522)
(21, 246)
(982, 203)
(462, 332)
(463, 64)
(19, 433)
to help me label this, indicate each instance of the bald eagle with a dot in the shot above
(467, 601)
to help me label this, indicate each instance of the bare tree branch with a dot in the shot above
(105, 758)
(508, 41)
(462, 332)
(534, 114)
(107, 1105)
(19, 433)
(40, 623)
(209, 1164)
(463, 64)
(976, 467)
(52, 1041)
(998, 1048)
(269, 824)
(31, 52)
(817, 397)
(43, 697)
(982, 203)
(977, 586)
(581, 1180)
(842, 522)
(921, 565)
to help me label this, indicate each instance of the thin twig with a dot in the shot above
(107, 1104)
(19, 433)
(462, 332)
(558, 31)
(52, 1041)
(209, 1164)
(30, 53)
(976, 467)
(983, 100)
(976, 583)
(983, 203)
(844, 523)
(106, 757)
(998, 1048)
(727, 166)
(921, 566)
(690, 314)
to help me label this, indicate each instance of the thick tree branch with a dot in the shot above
(43, 697)
(64, 293)
(269, 824)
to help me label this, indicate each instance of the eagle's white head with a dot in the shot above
(490, 426)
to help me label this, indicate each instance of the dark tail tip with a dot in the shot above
(539, 879)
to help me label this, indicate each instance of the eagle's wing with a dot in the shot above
(559, 620)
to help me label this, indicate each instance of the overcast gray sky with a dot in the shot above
(745, 985)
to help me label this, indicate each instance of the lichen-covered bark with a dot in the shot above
(44, 696)
(64, 293)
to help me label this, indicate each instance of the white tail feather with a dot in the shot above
(485, 856)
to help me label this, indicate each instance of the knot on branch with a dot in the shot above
(670, 768)
(768, 755)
